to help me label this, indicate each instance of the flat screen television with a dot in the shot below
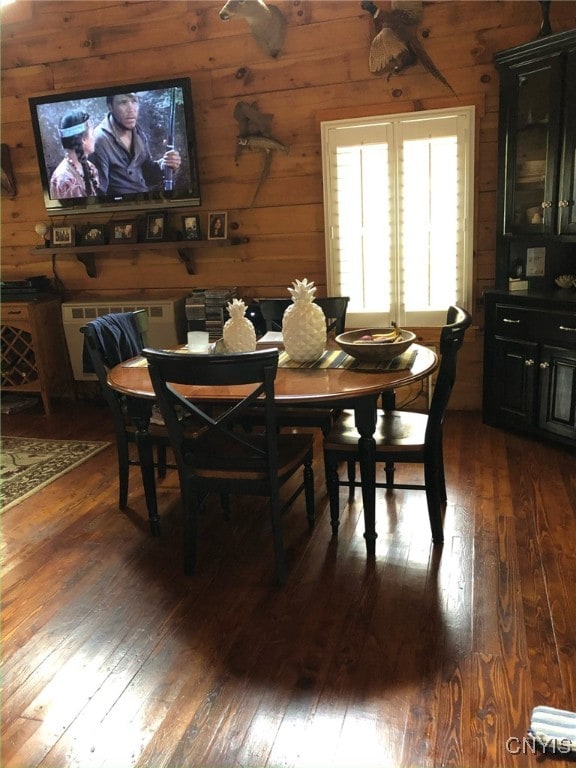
(165, 120)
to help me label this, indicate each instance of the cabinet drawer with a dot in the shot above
(11, 312)
(518, 322)
(559, 328)
(536, 325)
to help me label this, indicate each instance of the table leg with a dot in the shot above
(365, 417)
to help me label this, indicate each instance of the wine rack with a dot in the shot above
(18, 358)
(34, 351)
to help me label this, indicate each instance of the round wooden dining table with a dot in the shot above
(345, 387)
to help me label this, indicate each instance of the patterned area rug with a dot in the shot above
(29, 464)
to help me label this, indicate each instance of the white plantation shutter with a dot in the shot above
(397, 207)
(360, 227)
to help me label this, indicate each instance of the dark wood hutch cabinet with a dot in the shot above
(530, 334)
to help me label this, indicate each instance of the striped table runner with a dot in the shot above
(335, 358)
(330, 358)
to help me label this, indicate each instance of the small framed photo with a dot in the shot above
(63, 236)
(155, 226)
(123, 232)
(93, 234)
(217, 226)
(191, 227)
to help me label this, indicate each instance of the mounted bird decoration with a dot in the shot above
(396, 45)
(254, 135)
(266, 22)
(7, 174)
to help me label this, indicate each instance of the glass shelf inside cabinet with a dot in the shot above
(531, 149)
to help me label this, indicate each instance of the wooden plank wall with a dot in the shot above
(321, 73)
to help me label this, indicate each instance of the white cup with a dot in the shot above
(198, 342)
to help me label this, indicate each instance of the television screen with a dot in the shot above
(119, 148)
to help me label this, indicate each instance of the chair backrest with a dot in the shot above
(95, 352)
(115, 337)
(334, 308)
(258, 369)
(451, 340)
(273, 312)
(141, 316)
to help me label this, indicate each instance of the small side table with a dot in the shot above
(34, 352)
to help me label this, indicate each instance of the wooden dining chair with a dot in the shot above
(403, 436)
(220, 457)
(108, 340)
(334, 308)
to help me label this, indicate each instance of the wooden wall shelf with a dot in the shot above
(87, 254)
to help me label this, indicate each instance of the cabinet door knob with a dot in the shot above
(563, 203)
(547, 204)
(566, 328)
(528, 362)
(544, 365)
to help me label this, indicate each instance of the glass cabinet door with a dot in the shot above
(566, 202)
(533, 131)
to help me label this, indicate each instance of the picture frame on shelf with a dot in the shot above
(123, 231)
(155, 227)
(217, 225)
(93, 234)
(191, 228)
(63, 237)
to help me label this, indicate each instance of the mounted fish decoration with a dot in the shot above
(266, 22)
(253, 130)
(396, 45)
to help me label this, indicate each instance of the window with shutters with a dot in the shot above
(398, 202)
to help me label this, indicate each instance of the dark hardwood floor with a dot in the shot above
(422, 657)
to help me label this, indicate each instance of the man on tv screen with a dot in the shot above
(121, 153)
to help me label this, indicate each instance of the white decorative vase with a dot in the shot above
(304, 324)
(239, 334)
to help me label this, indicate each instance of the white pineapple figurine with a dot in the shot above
(239, 334)
(304, 324)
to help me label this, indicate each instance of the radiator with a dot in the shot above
(166, 324)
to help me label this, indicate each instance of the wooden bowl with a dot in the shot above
(374, 350)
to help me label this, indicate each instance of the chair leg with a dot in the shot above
(351, 467)
(441, 475)
(123, 474)
(277, 536)
(161, 460)
(388, 400)
(146, 458)
(332, 486)
(309, 494)
(389, 470)
(191, 501)
(225, 504)
(389, 404)
(432, 483)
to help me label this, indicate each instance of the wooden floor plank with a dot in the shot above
(426, 656)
